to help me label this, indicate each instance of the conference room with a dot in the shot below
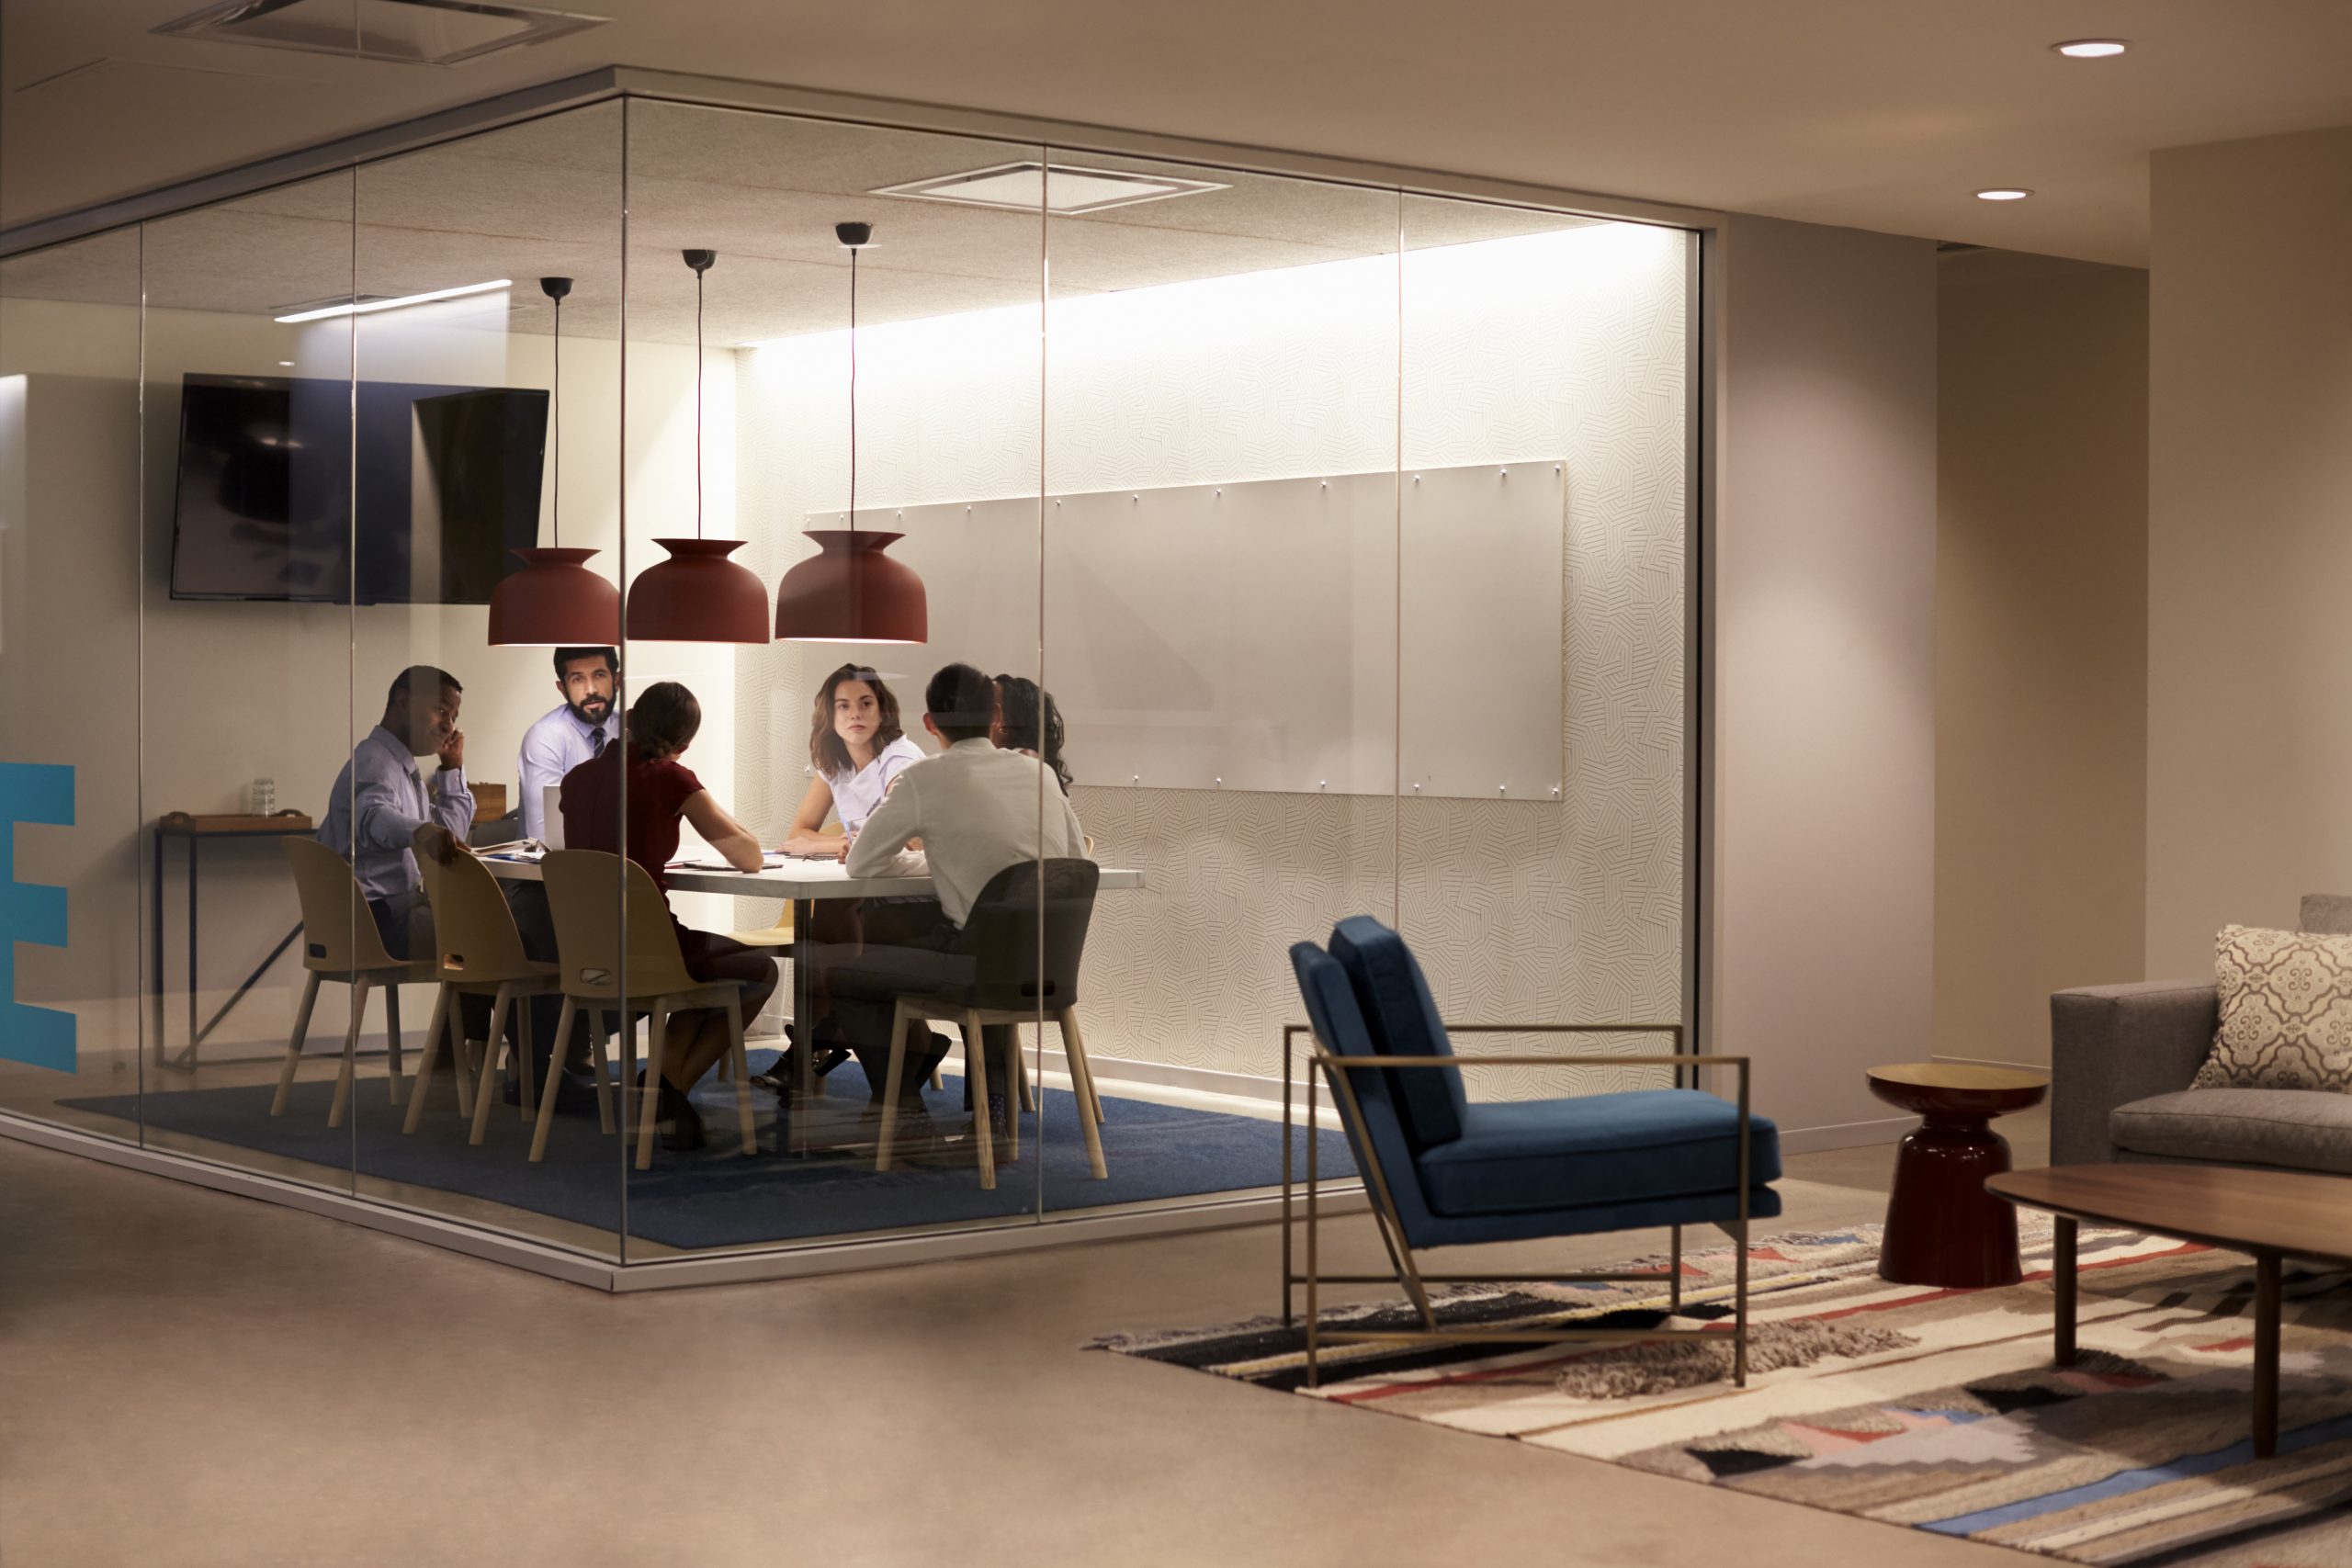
(1330, 543)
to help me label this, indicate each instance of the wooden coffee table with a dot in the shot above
(2272, 1214)
(1941, 1228)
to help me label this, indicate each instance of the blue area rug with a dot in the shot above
(717, 1197)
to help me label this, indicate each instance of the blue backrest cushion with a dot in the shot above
(1332, 1008)
(1402, 1017)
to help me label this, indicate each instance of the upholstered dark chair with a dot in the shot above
(1445, 1170)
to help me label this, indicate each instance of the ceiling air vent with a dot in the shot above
(410, 32)
(1064, 189)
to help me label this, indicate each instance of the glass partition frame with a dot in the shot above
(1390, 850)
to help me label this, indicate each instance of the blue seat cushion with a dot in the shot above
(1402, 1018)
(1638, 1146)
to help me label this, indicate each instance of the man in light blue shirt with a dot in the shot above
(576, 732)
(380, 800)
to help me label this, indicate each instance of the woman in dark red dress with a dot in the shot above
(660, 794)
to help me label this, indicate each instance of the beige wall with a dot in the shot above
(2250, 537)
(2041, 561)
(1823, 563)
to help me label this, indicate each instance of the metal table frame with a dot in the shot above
(184, 1059)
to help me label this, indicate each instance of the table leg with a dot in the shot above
(804, 1046)
(2063, 1285)
(155, 945)
(189, 1055)
(2266, 1354)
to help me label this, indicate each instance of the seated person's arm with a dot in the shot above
(720, 831)
(438, 844)
(453, 803)
(895, 824)
(805, 839)
(380, 817)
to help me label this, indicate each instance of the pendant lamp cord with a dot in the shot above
(555, 417)
(852, 389)
(698, 403)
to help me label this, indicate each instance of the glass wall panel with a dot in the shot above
(1220, 638)
(470, 447)
(245, 684)
(942, 375)
(71, 842)
(1542, 630)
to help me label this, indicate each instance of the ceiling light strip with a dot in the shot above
(366, 308)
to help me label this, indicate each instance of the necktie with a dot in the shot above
(596, 740)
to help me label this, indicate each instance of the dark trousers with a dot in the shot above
(405, 922)
(900, 939)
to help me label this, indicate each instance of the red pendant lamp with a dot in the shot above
(698, 595)
(852, 591)
(555, 601)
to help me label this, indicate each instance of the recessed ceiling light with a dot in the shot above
(286, 363)
(410, 32)
(1064, 189)
(366, 305)
(2091, 47)
(2004, 193)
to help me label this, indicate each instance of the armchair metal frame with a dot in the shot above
(1409, 1275)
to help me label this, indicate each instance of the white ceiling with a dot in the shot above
(1881, 113)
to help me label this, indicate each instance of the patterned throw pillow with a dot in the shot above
(2286, 1011)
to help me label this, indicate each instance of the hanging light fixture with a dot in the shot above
(555, 601)
(852, 591)
(698, 595)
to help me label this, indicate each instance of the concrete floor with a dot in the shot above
(190, 1379)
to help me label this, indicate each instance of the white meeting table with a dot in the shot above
(802, 882)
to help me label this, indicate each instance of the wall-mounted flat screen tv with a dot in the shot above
(445, 480)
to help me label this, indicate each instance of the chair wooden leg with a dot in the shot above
(294, 1044)
(742, 1074)
(526, 1059)
(1015, 1086)
(434, 1033)
(1082, 1083)
(893, 1080)
(342, 1100)
(392, 1036)
(461, 1061)
(603, 1065)
(547, 1100)
(486, 1086)
(1021, 1069)
(649, 1099)
(976, 1062)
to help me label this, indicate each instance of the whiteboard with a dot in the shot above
(1250, 635)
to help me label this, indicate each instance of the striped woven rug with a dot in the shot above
(1930, 1408)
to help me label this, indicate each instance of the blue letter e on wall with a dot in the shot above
(31, 792)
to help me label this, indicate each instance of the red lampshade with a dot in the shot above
(554, 601)
(852, 591)
(698, 595)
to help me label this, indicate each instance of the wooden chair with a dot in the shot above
(1016, 961)
(777, 936)
(340, 943)
(630, 964)
(479, 952)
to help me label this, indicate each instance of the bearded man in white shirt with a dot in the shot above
(977, 810)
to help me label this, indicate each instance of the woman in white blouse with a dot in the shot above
(856, 749)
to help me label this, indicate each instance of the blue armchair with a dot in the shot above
(1443, 1170)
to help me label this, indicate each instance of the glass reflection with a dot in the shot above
(73, 908)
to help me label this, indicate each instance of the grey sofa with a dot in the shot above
(2121, 1058)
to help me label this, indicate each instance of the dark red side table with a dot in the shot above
(1942, 1227)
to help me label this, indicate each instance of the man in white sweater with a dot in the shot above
(974, 810)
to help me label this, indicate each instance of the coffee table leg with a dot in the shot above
(2266, 1354)
(2061, 1282)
